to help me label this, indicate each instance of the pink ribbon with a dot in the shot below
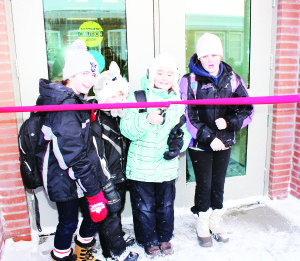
(222, 101)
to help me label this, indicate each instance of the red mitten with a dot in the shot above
(97, 207)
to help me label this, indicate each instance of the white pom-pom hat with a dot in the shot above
(209, 44)
(163, 60)
(79, 60)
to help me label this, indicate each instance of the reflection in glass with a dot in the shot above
(100, 23)
(230, 20)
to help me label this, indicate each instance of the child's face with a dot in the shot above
(82, 82)
(164, 78)
(211, 63)
(119, 97)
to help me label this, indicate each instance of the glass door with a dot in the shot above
(237, 23)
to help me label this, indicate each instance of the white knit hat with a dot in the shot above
(163, 60)
(209, 44)
(79, 60)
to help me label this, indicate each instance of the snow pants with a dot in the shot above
(110, 229)
(153, 211)
(68, 221)
(210, 169)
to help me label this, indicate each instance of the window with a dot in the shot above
(230, 20)
(100, 23)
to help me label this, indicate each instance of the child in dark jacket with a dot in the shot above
(110, 87)
(213, 129)
(71, 170)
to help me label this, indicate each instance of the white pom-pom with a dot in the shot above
(79, 45)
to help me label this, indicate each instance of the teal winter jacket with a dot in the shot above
(145, 160)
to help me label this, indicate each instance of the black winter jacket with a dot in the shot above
(112, 146)
(201, 118)
(68, 159)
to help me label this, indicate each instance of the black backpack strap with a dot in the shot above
(37, 213)
(140, 96)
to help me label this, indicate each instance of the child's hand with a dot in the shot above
(155, 118)
(217, 145)
(221, 124)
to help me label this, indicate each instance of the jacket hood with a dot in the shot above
(199, 70)
(52, 93)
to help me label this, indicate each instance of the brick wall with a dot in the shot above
(284, 162)
(13, 203)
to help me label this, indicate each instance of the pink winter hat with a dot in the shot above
(209, 44)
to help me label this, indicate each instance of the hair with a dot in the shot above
(64, 82)
(196, 61)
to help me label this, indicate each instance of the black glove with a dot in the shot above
(175, 143)
(113, 197)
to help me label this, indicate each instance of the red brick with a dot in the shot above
(17, 232)
(277, 186)
(5, 76)
(16, 216)
(283, 160)
(283, 68)
(281, 140)
(6, 95)
(288, 6)
(7, 103)
(285, 91)
(286, 76)
(275, 180)
(10, 167)
(12, 192)
(295, 194)
(16, 224)
(279, 194)
(9, 149)
(287, 46)
(8, 131)
(286, 61)
(279, 127)
(289, 14)
(283, 83)
(286, 153)
(8, 122)
(287, 30)
(5, 67)
(280, 166)
(12, 200)
(10, 175)
(9, 140)
(14, 208)
(281, 173)
(295, 181)
(22, 238)
(18, 183)
(9, 157)
(278, 147)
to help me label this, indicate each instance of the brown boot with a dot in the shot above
(85, 252)
(166, 248)
(153, 251)
(70, 257)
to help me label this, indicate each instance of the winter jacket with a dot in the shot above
(201, 118)
(145, 160)
(69, 161)
(111, 146)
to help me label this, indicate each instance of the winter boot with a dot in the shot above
(85, 251)
(129, 241)
(166, 248)
(204, 236)
(126, 256)
(215, 226)
(153, 251)
(70, 257)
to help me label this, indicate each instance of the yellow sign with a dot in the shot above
(90, 32)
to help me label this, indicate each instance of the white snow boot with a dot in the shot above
(203, 233)
(215, 226)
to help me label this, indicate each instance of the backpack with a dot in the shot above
(28, 138)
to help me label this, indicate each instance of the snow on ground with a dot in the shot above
(258, 230)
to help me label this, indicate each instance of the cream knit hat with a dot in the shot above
(79, 60)
(209, 44)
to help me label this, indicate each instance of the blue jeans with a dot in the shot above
(68, 221)
(153, 211)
